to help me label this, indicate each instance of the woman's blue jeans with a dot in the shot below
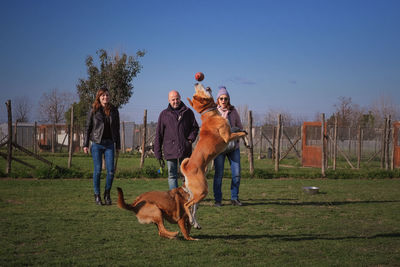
(219, 161)
(106, 147)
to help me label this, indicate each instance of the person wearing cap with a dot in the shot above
(176, 130)
(229, 112)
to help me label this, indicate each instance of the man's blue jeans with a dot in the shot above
(106, 147)
(173, 167)
(219, 161)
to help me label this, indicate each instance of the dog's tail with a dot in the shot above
(184, 171)
(121, 201)
(184, 164)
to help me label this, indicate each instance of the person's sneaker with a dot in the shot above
(236, 202)
(217, 204)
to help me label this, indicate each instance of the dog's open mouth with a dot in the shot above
(201, 91)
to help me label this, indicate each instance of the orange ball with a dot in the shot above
(199, 76)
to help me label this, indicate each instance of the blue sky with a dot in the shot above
(296, 56)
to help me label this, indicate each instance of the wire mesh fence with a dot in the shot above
(366, 143)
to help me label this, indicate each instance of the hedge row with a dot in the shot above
(152, 172)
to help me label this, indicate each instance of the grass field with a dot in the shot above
(128, 166)
(350, 223)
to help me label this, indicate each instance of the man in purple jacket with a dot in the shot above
(177, 129)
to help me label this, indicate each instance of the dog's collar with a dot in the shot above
(207, 110)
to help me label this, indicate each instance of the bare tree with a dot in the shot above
(317, 116)
(258, 119)
(243, 113)
(349, 114)
(22, 108)
(383, 107)
(3, 113)
(53, 105)
(288, 119)
(344, 110)
(357, 114)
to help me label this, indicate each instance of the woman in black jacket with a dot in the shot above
(102, 128)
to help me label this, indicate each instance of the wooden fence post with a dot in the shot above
(323, 159)
(250, 155)
(301, 139)
(335, 142)
(359, 147)
(329, 143)
(383, 151)
(144, 138)
(278, 142)
(260, 143)
(388, 132)
(35, 139)
(9, 145)
(273, 142)
(394, 142)
(71, 138)
(15, 138)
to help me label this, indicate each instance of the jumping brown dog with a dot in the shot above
(215, 134)
(155, 206)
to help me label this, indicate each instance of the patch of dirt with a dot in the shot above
(12, 201)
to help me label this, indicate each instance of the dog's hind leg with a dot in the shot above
(195, 223)
(190, 208)
(152, 214)
(188, 205)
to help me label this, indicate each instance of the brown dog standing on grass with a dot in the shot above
(155, 206)
(215, 134)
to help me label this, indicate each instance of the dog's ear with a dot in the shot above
(200, 99)
(190, 101)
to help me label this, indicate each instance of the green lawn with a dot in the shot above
(351, 222)
(128, 166)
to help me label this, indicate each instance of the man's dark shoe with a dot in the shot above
(236, 202)
(217, 204)
(97, 199)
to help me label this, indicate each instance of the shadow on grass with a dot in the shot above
(283, 202)
(295, 237)
(255, 202)
(264, 200)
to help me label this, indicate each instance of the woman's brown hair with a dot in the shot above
(97, 104)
